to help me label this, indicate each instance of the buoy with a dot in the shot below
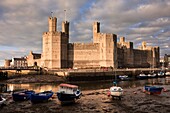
(108, 93)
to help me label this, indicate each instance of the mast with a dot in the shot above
(65, 15)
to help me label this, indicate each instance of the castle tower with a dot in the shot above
(52, 21)
(65, 27)
(55, 45)
(143, 44)
(96, 30)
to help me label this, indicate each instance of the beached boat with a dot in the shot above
(22, 95)
(68, 93)
(2, 100)
(115, 91)
(153, 89)
(41, 97)
(124, 77)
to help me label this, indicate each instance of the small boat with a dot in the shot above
(167, 73)
(68, 93)
(161, 74)
(2, 100)
(153, 89)
(124, 77)
(41, 97)
(142, 76)
(151, 75)
(115, 91)
(22, 95)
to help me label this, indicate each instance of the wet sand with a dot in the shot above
(96, 101)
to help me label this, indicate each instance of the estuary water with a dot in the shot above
(38, 87)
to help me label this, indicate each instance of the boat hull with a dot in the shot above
(115, 92)
(41, 97)
(2, 101)
(21, 96)
(153, 89)
(67, 97)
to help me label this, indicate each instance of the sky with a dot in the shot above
(22, 22)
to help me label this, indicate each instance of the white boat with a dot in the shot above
(2, 100)
(151, 75)
(115, 91)
(167, 73)
(142, 76)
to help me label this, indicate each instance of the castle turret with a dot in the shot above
(65, 27)
(52, 21)
(96, 30)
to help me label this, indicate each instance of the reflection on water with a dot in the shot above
(35, 87)
(85, 85)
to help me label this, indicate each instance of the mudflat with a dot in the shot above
(96, 101)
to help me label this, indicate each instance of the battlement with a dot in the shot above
(83, 46)
(123, 44)
(54, 33)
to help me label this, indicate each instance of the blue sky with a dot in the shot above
(22, 22)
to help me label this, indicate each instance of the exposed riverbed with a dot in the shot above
(94, 98)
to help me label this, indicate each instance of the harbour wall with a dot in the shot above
(91, 75)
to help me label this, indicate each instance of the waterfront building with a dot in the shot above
(19, 62)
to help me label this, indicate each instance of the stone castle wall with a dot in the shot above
(82, 55)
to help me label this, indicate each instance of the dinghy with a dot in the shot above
(41, 97)
(22, 95)
(153, 89)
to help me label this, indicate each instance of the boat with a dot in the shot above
(2, 100)
(68, 93)
(151, 75)
(22, 95)
(41, 97)
(115, 91)
(167, 73)
(142, 76)
(124, 77)
(161, 74)
(153, 89)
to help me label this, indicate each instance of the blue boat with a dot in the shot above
(22, 95)
(41, 97)
(153, 89)
(68, 93)
(124, 77)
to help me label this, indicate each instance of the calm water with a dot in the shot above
(38, 87)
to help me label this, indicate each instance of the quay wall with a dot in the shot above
(90, 75)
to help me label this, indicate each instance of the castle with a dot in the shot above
(104, 51)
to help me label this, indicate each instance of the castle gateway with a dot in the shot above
(104, 51)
